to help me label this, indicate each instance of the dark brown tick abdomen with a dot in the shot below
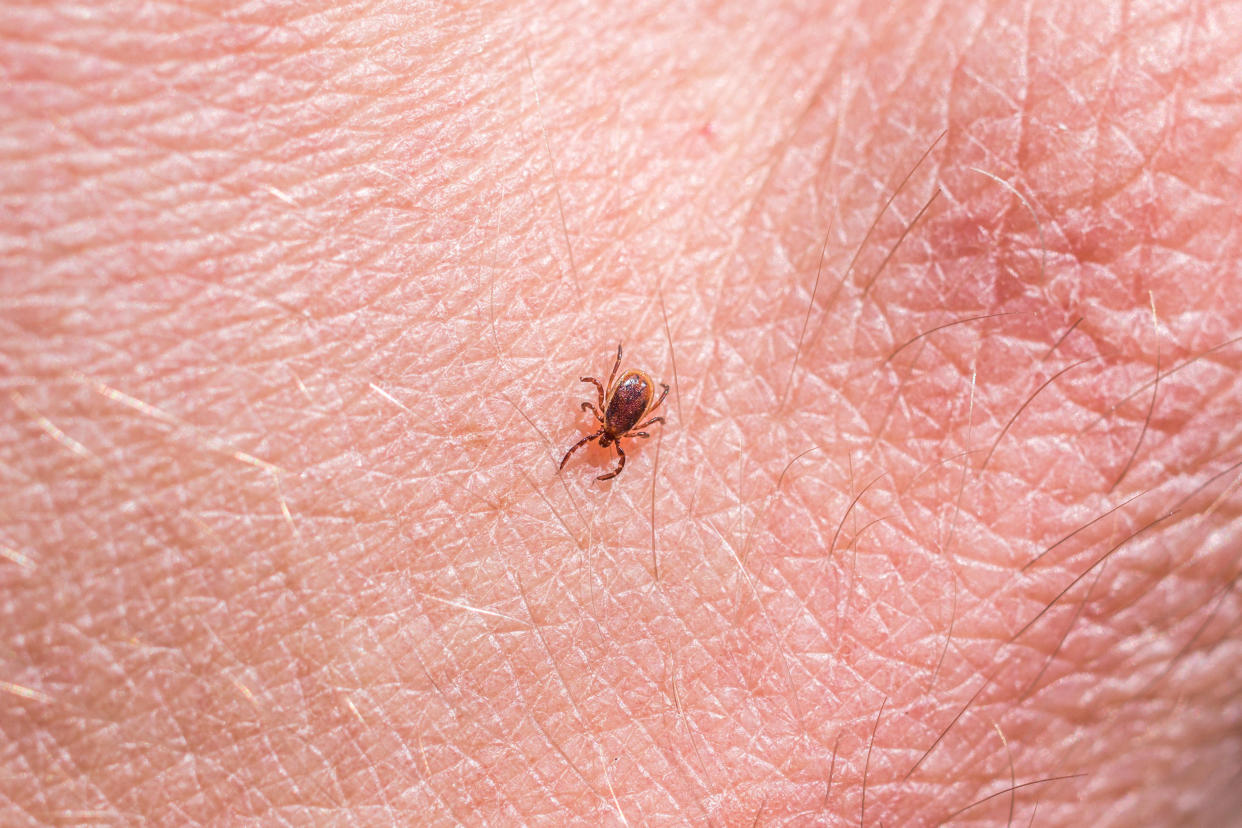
(628, 402)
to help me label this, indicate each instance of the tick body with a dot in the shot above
(620, 411)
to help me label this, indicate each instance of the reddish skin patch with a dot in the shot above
(627, 402)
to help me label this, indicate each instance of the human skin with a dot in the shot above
(295, 301)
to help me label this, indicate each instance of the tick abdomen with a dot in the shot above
(628, 401)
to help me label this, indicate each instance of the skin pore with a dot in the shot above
(942, 524)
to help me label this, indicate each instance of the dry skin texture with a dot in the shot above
(943, 523)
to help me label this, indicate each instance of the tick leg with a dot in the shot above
(620, 465)
(613, 375)
(649, 422)
(598, 388)
(663, 394)
(587, 406)
(577, 446)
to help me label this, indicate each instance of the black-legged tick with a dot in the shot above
(627, 402)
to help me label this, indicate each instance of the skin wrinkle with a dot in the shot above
(198, 291)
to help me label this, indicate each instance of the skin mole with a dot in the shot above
(628, 400)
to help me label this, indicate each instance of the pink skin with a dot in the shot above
(294, 303)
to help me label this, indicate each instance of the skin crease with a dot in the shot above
(295, 299)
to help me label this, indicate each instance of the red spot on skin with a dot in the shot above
(699, 142)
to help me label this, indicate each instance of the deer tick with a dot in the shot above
(628, 400)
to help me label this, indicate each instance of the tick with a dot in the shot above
(628, 400)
